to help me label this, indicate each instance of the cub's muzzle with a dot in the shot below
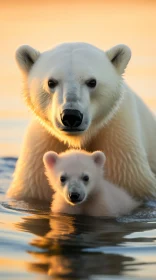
(74, 197)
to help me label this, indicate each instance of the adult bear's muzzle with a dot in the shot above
(71, 118)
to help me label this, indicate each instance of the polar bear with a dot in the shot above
(80, 100)
(77, 180)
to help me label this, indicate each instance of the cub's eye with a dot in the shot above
(85, 178)
(52, 83)
(91, 83)
(63, 179)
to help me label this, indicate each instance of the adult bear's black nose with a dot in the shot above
(74, 196)
(71, 118)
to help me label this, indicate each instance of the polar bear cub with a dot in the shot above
(80, 188)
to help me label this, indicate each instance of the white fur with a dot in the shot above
(99, 197)
(115, 120)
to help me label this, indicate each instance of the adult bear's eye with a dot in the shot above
(52, 83)
(91, 83)
(63, 179)
(85, 178)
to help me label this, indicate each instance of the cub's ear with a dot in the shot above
(99, 158)
(26, 57)
(50, 159)
(119, 57)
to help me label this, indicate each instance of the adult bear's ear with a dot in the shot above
(119, 57)
(26, 57)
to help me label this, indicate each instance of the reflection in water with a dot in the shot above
(60, 246)
(70, 247)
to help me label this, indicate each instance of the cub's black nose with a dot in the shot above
(74, 196)
(71, 118)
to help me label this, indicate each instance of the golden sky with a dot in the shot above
(43, 24)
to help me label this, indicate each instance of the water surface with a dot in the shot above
(37, 245)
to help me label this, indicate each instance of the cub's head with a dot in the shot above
(74, 89)
(74, 174)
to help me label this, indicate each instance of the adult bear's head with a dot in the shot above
(74, 89)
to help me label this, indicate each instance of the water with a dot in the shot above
(37, 245)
